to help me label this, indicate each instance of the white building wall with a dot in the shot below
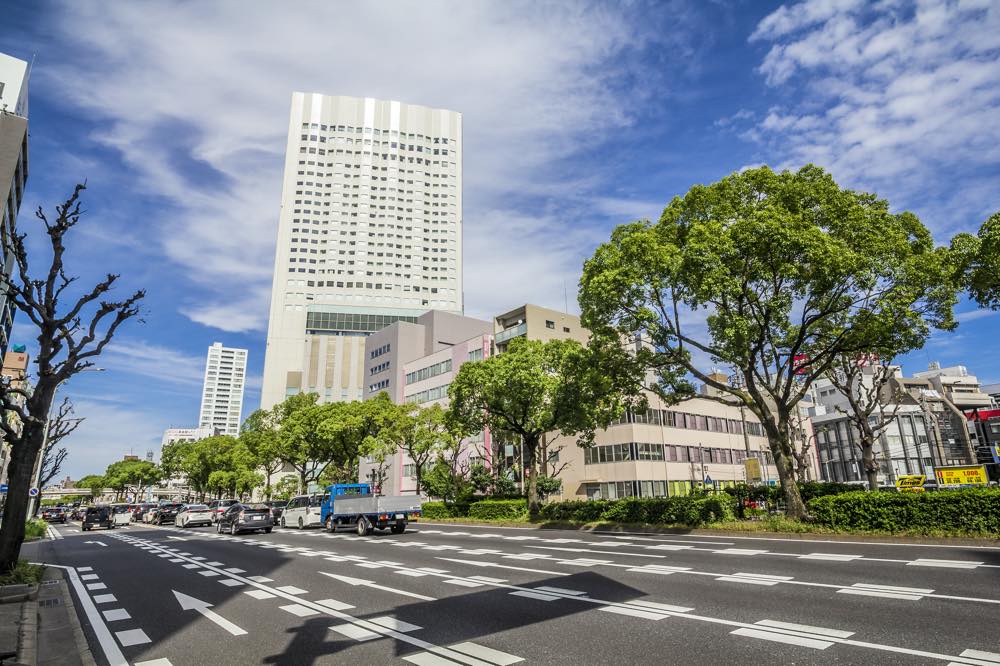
(371, 217)
(222, 395)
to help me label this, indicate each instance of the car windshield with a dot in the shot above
(120, 509)
(316, 500)
(197, 507)
(255, 507)
(278, 505)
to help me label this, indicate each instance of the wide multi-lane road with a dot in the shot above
(447, 594)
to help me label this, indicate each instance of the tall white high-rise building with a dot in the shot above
(370, 233)
(222, 396)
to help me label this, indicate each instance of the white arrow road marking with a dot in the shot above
(178, 538)
(371, 584)
(190, 603)
(99, 543)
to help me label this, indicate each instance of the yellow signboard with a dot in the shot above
(969, 475)
(753, 470)
(913, 483)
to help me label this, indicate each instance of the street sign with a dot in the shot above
(962, 475)
(33, 491)
(910, 483)
(996, 454)
(752, 466)
(3, 487)
(708, 480)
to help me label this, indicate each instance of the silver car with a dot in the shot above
(192, 515)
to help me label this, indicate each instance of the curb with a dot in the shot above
(27, 634)
(981, 542)
(82, 647)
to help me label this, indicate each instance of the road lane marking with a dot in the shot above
(208, 574)
(754, 579)
(368, 583)
(116, 614)
(831, 557)
(655, 605)
(535, 595)
(291, 589)
(132, 637)
(229, 582)
(462, 582)
(90, 577)
(559, 590)
(191, 565)
(893, 588)
(739, 551)
(154, 662)
(234, 570)
(494, 565)
(389, 622)
(355, 632)
(97, 586)
(805, 628)
(259, 594)
(948, 564)
(85, 568)
(214, 564)
(334, 604)
(260, 579)
(190, 603)
(885, 595)
(99, 543)
(789, 639)
(104, 599)
(299, 610)
(979, 654)
(486, 654)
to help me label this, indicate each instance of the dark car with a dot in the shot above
(166, 513)
(139, 509)
(54, 514)
(78, 513)
(245, 518)
(218, 507)
(277, 508)
(97, 516)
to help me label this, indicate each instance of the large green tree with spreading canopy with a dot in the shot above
(535, 388)
(773, 274)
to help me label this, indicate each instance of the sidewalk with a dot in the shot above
(38, 624)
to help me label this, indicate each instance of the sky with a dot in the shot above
(578, 117)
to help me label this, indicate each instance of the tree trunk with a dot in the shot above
(781, 448)
(868, 462)
(22, 467)
(530, 448)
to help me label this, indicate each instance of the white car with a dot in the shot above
(147, 517)
(303, 511)
(193, 514)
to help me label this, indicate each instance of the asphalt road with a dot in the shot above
(444, 594)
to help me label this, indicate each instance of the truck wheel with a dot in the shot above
(364, 527)
(398, 528)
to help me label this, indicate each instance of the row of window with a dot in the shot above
(632, 451)
(379, 368)
(476, 355)
(674, 419)
(378, 386)
(429, 371)
(373, 131)
(375, 353)
(435, 393)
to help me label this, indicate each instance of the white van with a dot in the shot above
(303, 511)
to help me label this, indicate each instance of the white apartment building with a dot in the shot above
(171, 435)
(370, 233)
(13, 165)
(222, 396)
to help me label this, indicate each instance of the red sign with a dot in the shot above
(800, 364)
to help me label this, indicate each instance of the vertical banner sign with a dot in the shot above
(752, 466)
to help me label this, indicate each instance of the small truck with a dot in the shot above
(356, 505)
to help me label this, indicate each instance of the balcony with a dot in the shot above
(509, 333)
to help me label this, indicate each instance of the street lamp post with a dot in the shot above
(36, 477)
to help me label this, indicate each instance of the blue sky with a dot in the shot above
(577, 117)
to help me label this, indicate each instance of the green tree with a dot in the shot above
(95, 483)
(787, 272)
(132, 476)
(300, 442)
(197, 460)
(979, 262)
(420, 432)
(532, 389)
(260, 437)
(286, 488)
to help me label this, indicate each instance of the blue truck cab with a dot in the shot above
(354, 504)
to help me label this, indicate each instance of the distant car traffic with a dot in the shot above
(97, 516)
(277, 508)
(192, 515)
(244, 518)
(54, 514)
(121, 515)
(165, 513)
(78, 513)
(139, 510)
(218, 507)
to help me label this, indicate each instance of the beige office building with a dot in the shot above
(370, 233)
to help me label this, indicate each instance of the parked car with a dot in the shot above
(165, 513)
(139, 510)
(191, 515)
(218, 507)
(245, 517)
(303, 511)
(54, 514)
(121, 515)
(97, 516)
(277, 508)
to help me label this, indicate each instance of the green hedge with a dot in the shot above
(434, 510)
(814, 489)
(681, 510)
(972, 510)
(509, 509)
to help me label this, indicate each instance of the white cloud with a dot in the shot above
(196, 98)
(893, 97)
(167, 366)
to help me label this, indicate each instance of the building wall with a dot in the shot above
(13, 166)
(222, 394)
(371, 217)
